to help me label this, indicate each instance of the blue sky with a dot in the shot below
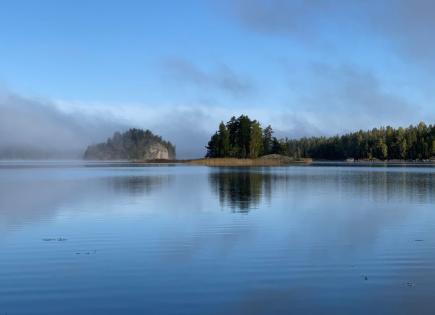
(179, 67)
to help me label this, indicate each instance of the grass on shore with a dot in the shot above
(267, 160)
(246, 162)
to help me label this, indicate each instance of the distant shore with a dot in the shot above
(217, 162)
(278, 160)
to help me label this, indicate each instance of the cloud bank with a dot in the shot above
(38, 126)
(43, 128)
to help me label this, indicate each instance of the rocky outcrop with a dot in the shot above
(157, 151)
(135, 144)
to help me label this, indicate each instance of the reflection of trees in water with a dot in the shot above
(406, 186)
(373, 184)
(30, 200)
(241, 190)
(135, 185)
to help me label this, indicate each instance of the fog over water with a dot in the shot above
(38, 125)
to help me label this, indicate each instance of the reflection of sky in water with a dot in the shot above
(197, 240)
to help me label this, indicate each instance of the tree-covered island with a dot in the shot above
(134, 144)
(245, 138)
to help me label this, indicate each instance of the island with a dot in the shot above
(133, 145)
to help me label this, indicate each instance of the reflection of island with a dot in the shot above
(241, 190)
(31, 199)
(134, 185)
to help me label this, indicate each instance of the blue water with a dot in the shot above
(117, 239)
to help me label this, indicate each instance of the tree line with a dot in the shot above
(386, 143)
(244, 138)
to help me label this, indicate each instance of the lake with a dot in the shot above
(114, 238)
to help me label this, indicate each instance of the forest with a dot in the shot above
(245, 138)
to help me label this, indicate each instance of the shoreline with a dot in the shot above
(233, 162)
(248, 162)
(220, 162)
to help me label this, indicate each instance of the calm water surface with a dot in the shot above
(117, 239)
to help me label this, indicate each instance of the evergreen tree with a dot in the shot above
(244, 135)
(267, 140)
(256, 141)
(276, 146)
(233, 126)
(223, 149)
(212, 147)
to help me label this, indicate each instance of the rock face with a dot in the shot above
(135, 144)
(157, 151)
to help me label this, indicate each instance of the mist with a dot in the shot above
(32, 128)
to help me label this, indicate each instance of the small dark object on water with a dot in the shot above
(366, 278)
(51, 239)
(87, 252)
(418, 240)
(410, 284)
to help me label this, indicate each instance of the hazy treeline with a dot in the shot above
(386, 143)
(132, 144)
(244, 138)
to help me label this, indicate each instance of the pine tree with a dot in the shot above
(212, 147)
(256, 141)
(267, 140)
(223, 141)
(244, 136)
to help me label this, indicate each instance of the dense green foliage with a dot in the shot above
(412, 143)
(243, 138)
(134, 144)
